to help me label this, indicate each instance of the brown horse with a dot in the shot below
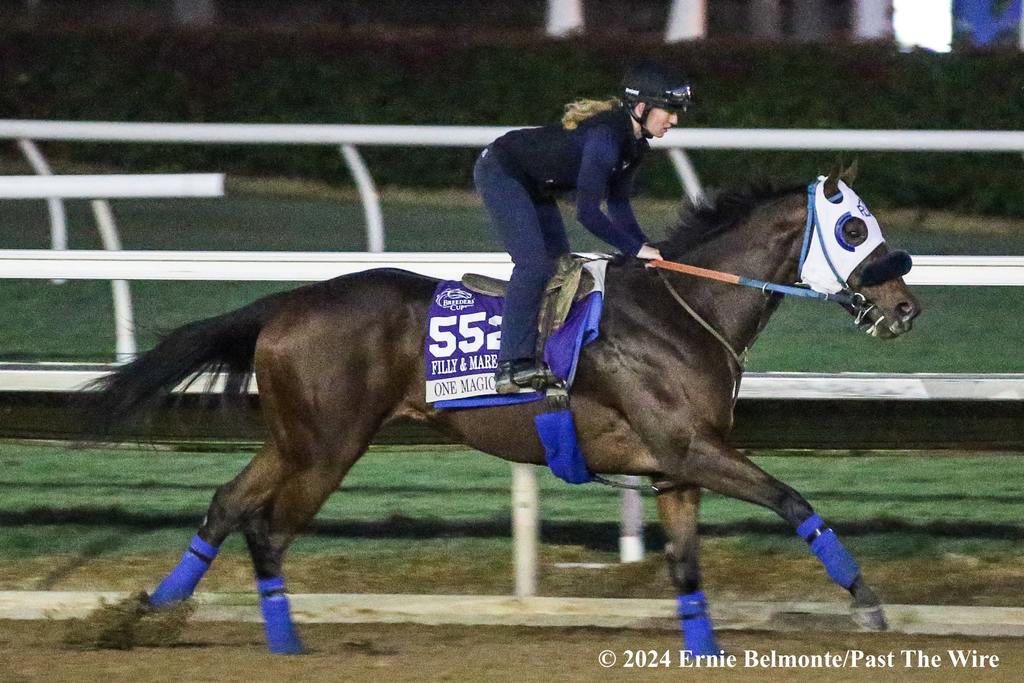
(653, 395)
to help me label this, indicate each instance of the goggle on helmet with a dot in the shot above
(676, 99)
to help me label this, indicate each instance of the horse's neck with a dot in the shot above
(765, 247)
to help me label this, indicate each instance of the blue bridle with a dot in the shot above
(809, 230)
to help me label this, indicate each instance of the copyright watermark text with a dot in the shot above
(773, 659)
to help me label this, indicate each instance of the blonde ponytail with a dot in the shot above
(581, 110)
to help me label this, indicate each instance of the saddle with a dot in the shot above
(570, 283)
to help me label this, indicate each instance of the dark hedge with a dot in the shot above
(327, 75)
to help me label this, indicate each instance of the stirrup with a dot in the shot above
(539, 379)
(512, 377)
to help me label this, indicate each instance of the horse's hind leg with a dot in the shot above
(718, 467)
(330, 372)
(231, 505)
(269, 533)
(677, 510)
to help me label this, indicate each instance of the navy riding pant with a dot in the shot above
(534, 235)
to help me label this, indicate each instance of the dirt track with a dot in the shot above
(729, 575)
(32, 651)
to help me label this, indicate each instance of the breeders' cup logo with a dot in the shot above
(455, 299)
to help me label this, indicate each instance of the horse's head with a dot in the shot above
(844, 251)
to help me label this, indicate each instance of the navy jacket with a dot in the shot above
(598, 160)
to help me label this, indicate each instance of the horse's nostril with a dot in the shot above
(906, 311)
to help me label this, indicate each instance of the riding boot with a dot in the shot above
(522, 373)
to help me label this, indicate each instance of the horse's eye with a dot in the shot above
(855, 231)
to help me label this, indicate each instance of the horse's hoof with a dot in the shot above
(291, 647)
(145, 601)
(871, 618)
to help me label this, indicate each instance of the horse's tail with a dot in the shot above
(224, 344)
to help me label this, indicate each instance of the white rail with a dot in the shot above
(99, 188)
(66, 377)
(112, 186)
(290, 266)
(347, 136)
(54, 205)
(479, 136)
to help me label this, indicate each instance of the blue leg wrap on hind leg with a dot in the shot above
(282, 638)
(824, 543)
(698, 636)
(183, 579)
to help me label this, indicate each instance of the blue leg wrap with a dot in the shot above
(277, 619)
(839, 563)
(181, 582)
(698, 636)
(557, 432)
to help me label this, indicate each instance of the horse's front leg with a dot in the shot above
(716, 466)
(677, 510)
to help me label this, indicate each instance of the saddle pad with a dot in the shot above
(464, 335)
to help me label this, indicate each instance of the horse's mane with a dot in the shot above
(707, 220)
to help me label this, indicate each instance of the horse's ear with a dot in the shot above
(850, 174)
(831, 186)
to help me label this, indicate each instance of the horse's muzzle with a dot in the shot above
(888, 325)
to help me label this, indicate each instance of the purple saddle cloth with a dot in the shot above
(463, 337)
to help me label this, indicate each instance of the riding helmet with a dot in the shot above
(653, 84)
